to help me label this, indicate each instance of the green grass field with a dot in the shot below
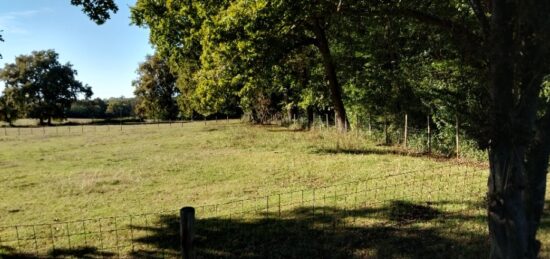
(311, 185)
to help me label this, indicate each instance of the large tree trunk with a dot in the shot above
(518, 158)
(330, 72)
(517, 188)
(507, 179)
(537, 168)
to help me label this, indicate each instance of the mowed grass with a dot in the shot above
(60, 175)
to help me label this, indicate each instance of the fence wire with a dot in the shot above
(435, 213)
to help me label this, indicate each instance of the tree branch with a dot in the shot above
(480, 14)
(455, 28)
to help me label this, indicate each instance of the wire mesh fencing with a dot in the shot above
(416, 214)
(436, 213)
(124, 236)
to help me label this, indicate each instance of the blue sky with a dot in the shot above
(106, 56)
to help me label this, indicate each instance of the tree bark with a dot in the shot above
(330, 72)
(309, 111)
(507, 178)
(518, 158)
(537, 168)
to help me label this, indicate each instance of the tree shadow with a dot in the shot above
(396, 229)
(387, 150)
(78, 252)
(399, 230)
(7, 252)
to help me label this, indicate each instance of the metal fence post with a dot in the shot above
(187, 232)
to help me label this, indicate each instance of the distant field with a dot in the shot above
(34, 122)
(68, 174)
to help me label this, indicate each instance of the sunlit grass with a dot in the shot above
(64, 174)
(229, 171)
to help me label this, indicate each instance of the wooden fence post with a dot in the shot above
(457, 140)
(405, 131)
(187, 232)
(386, 137)
(357, 122)
(326, 115)
(429, 137)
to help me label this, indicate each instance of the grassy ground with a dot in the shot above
(106, 172)
(352, 187)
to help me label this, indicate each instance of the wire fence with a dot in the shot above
(438, 212)
(448, 142)
(416, 214)
(67, 130)
(409, 139)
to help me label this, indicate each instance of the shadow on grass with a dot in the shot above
(399, 229)
(388, 150)
(80, 252)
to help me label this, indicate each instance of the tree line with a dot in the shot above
(483, 63)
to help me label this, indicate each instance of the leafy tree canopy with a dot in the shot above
(41, 86)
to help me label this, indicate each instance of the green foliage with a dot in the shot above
(95, 108)
(41, 85)
(11, 105)
(155, 90)
(120, 107)
(97, 10)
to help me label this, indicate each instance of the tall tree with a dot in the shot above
(155, 89)
(264, 32)
(47, 87)
(508, 41)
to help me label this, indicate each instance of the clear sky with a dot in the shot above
(106, 56)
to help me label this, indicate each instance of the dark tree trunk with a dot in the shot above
(330, 72)
(309, 112)
(507, 179)
(519, 148)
